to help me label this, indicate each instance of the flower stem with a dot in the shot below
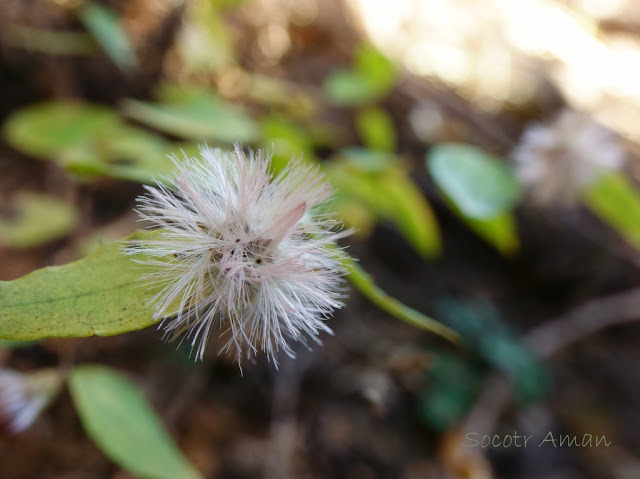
(363, 281)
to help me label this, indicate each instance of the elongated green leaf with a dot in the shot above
(106, 28)
(100, 294)
(376, 129)
(34, 220)
(617, 202)
(195, 115)
(390, 194)
(49, 42)
(123, 424)
(410, 211)
(499, 231)
(486, 334)
(53, 129)
(89, 140)
(478, 184)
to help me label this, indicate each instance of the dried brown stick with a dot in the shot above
(548, 339)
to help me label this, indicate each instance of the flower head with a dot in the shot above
(243, 251)
(560, 160)
(24, 396)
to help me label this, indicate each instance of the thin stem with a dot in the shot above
(364, 283)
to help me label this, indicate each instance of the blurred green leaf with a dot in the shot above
(376, 129)
(391, 195)
(371, 78)
(34, 219)
(346, 88)
(367, 160)
(480, 185)
(53, 129)
(124, 425)
(615, 200)
(100, 294)
(410, 211)
(88, 140)
(194, 114)
(105, 26)
(499, 231)
(380, 71)
(49, 42)
(286, 139)
(134, 154)
(452, 386)
(489, 337)
(204, 42)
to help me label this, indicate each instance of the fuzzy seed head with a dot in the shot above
(558, 161)
(243, 252)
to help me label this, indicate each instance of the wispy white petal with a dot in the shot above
(243, 252)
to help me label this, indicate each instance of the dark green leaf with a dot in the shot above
(487, 335)
(453, 384)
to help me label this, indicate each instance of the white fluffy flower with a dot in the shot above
(560, 160)
(24, 396)
(242, 251)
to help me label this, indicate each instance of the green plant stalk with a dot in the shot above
(364, 283)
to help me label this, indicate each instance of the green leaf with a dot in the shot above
(486, 334)
(134, 154)
(499, 231)
(204, 42)
(371, 78)
(33, 219)
(287, 139)
(54, 129)
(49, 42)
(376, 129)
(390, 194)
(453, 385)
(480, 185)
(617, 202)
(378, 69)
(124, 425)
(195, 114)
(89, 140)
(347, 88)
(106, 28)
(368, 160)
(410, 211)
(100, 294)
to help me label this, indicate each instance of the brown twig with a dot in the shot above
(548, 339)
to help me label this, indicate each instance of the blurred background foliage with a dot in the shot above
(413, 109)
